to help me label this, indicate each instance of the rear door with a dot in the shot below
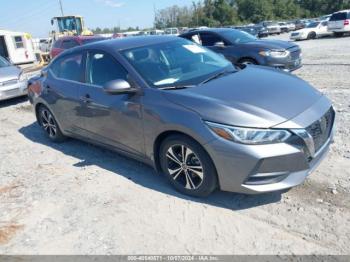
(61, 89)
(323, 29)
(114, 120)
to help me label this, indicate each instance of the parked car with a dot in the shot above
(291, 26)
(45, 45)
(339, 23)
(13, 82)
(272, 27)
(68, 42)
(172, 31)
(284, 27)
(257, 31)
(242, 48)
(312, 31)
(299, 24)
(188, 112)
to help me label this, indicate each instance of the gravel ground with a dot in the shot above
(74, 198)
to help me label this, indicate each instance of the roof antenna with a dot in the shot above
(61, 7)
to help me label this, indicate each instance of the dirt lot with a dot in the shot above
(74, 198)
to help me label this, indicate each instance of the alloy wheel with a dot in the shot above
(184, 167)
(48, 123)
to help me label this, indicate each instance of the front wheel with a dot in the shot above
(188, 166)
(248, 61)
(49, 124)
(311, 35)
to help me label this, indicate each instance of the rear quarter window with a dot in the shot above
(340, 16)
(68, 67)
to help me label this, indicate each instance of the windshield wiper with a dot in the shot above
(220, 74)
(174, 87)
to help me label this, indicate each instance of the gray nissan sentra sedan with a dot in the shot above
(188, 112)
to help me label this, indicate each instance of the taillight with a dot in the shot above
(346, 22)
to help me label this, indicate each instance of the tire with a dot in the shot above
(49, 125)
(196, 176)
(248, 61)
(338, 34)
(311, 35)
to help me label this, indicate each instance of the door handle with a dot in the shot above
(86, 98)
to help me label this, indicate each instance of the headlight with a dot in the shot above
(275, 53)
(250, 136)
(22, 77)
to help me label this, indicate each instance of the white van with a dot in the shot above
(16, 47)
(339, 23)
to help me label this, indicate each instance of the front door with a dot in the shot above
(210, 40)
(114, 120)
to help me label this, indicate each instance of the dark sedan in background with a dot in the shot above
(257, 31)
(242, 48)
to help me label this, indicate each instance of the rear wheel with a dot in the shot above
(49, 124)
(311, 35)
(187, 166)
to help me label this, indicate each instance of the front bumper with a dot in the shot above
(298, 37)
(288, 64)
(16, 89)
(253, 169)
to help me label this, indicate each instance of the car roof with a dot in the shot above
(123, 43)
(78, 37)
(215, 30)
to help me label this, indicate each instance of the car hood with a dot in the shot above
(253, 97)
(271, 44)
(9, 73)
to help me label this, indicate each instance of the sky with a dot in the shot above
(33, 16)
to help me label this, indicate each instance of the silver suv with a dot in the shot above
(339, 23)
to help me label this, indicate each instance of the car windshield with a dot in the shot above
(238, 37)
(313, 25)
(176, 63)
(4, 62)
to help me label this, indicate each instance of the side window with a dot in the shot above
(209, 39)
(102, 68)
(66, 44)
(18, 41)
(68, 67)
(324, 23)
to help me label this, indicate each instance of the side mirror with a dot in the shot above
(51, 21)
(219, 44)
(119, 87)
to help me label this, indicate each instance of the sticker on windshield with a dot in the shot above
(166, 81)
(195, 49)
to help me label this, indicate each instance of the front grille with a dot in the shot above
(295, 34)
(295, 54)
(321, 129)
